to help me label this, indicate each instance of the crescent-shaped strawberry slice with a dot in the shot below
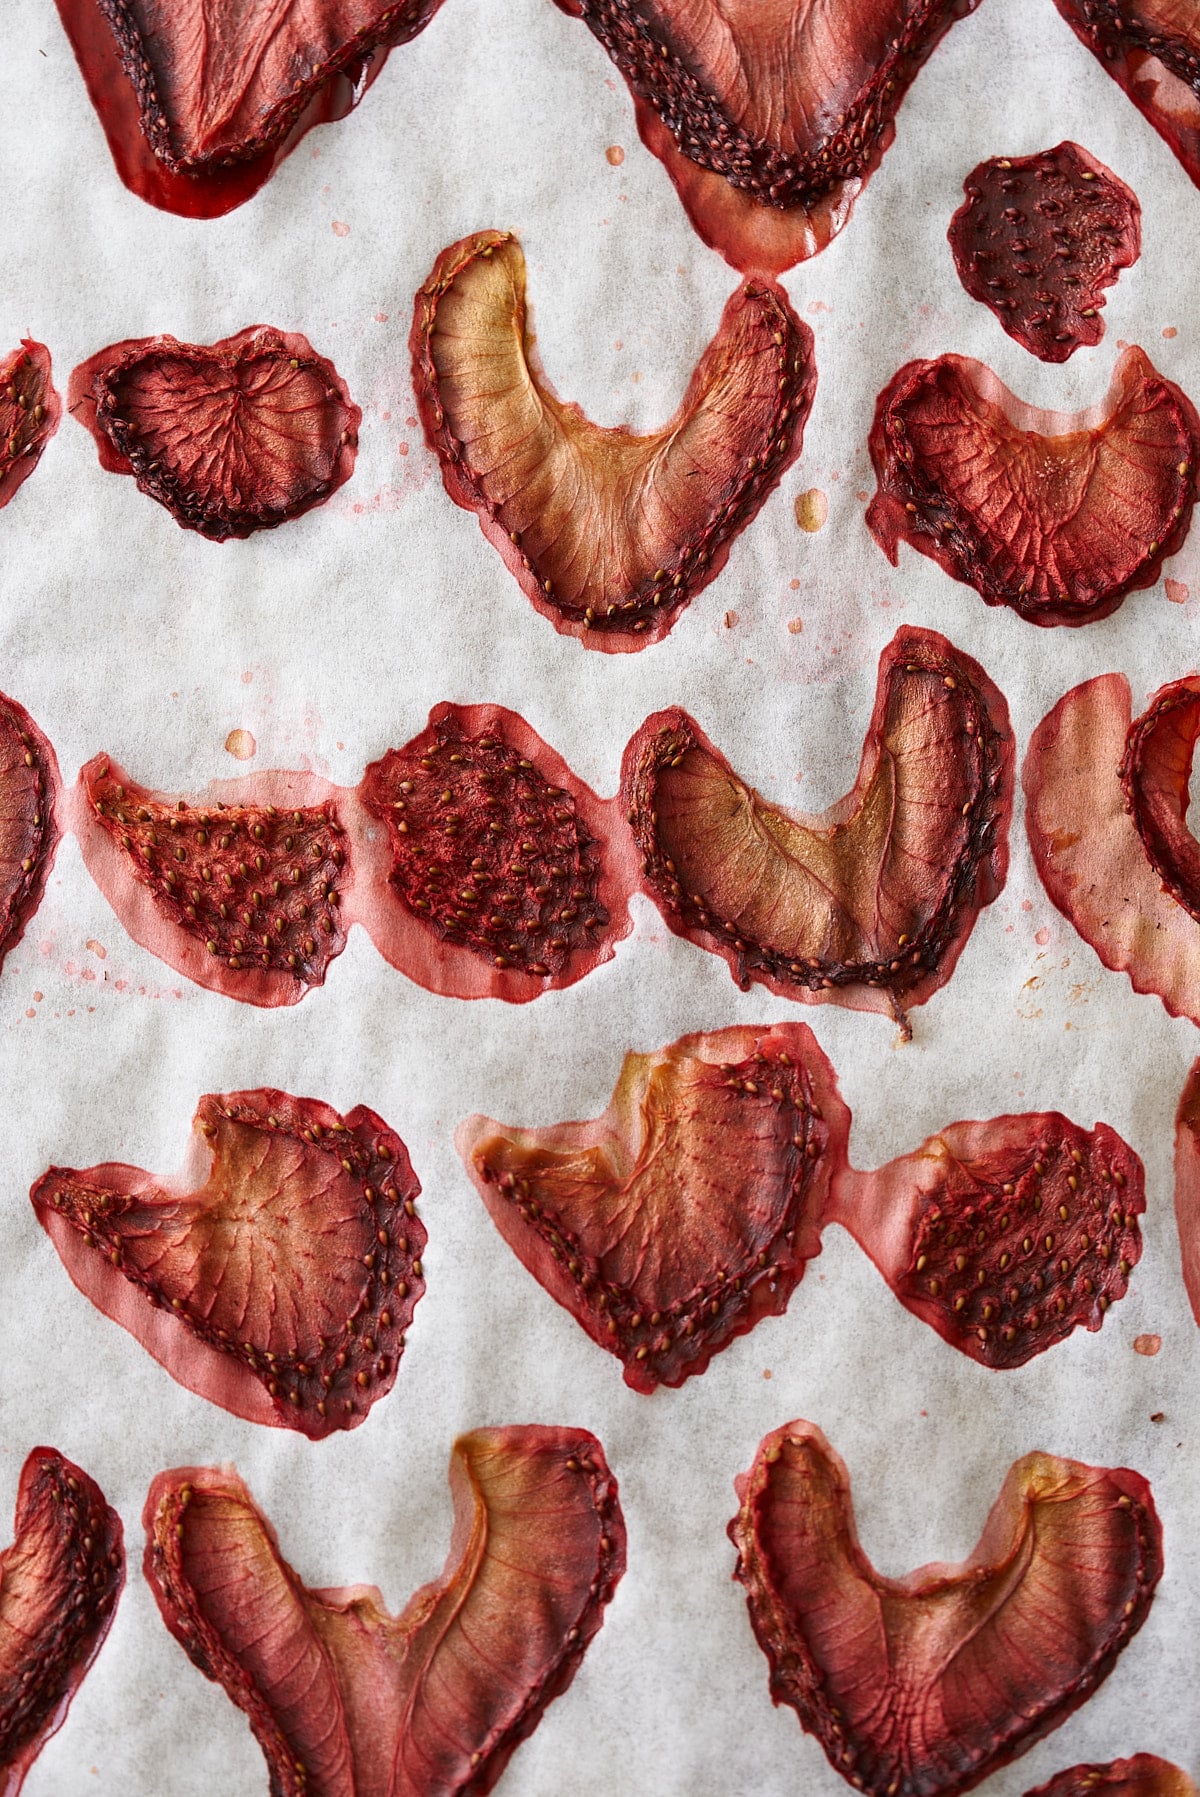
(59, 1585)
(277, 1277)
(925, 1685)
(1187, 1184)
(869, 904)
(1151, 48)
(231, 437)
(609, 534)
(347, 1701)
(30, 410)
(29, 794)
(689, 1210)
(1144, 1775)
(1058, 515)
(769, 120)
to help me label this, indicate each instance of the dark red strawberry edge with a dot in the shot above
(25, 382)
(38, 754)
(1127, 47)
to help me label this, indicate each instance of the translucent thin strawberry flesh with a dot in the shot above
(1187, 1184)
(1057, 515)
(1004, 1235)
(231, 437)
(277, 1277)
(869, 904)
(29, 833)
(347, 1701)
(769, 119)
(1039, 238)
(1151, 48)
(242, 893)
(925, 1685)
(610, 535)
(1145, 1775)
(59, 1585)
(689, 1209)
(30, 410)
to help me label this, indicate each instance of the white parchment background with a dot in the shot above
(329, 639)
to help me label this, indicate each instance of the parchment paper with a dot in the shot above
(328, 640)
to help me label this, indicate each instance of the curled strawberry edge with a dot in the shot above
(1128, 49)
(1145, 1775)
(50, 398)
(39, 755)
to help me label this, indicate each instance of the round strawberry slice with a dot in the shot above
(1145, 1775)
(30, 410)
(231, 437)
(1056, 515)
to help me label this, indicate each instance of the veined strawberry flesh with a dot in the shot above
(29, 832)
(30, 410)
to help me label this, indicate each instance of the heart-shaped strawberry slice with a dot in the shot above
(1151, 48)
(689, 1210)
(231, 437)
(1145, 1775)
(770, 119)
(923, 1686)
(277, 1277)
(30, 410)
(29, 794)
(610, 535)
(348, 1701)
(1057, 515)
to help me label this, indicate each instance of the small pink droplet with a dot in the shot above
(1178, 591)
(97, 948)
(1042, 937)
(31, 1012)
(340, 229)
(793, 586)
(615, 154)
(1026, 904)
(247, 677)
(241, 745)
(1169, 331)
(731, 619)
(380, 317)
(1147, 1344)
(795, 626)
(404, 449)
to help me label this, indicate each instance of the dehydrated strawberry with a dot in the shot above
(347, 1701)
(1058, 515)
(498, 874)
(241, 890)
(1099, 796)
(201, 100)
(1005, 1235)
(1187, 1184)
(925, 1685)
(1143, 1776)
(277, 1276)
(30, 410)
(1038, 238)
(231, 437)
(610, 535)
(1151, 48)
(769, 120)
(59, 1585)
(688, 1211)
(29, 792)
(869, 904)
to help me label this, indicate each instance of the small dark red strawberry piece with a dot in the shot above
(30, 410)
(769, 119)
(231, 437)
(29, 794)
(1005, 1235)
(870, 903)
(241, 892)
(609, 535)
(200, 100)
(348, 1701)
(497, 877)
(1057, 515)
(277, 1277)
(1039, 238)
(59, 1585)
(1151, 48)
(1144, 1775)
(689, 1210)
(925, 1685)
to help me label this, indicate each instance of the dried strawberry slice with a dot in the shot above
(1187, 1184)
(346, 1700)
(497, 877)
(869, 904)
(769, 120)
(241, 891)
(1099, 797)
(201, 101)
(1143, 1776)
(59, 1585)
(277, 1277)
(610, 535)
(1151, 48)
(689, 1210)
(925, 1685)
(231, 437)
(1058, 515)
(1005, 1235)
(30, 410)
(29, 793)
(1038, 238)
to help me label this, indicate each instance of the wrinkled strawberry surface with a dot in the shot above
(925, 1685)
(610, 535)
(348, 1701)
(689, 1210)
(59, 1585)
(279, 1285)
(231, 437)
(869, 904)
(29, 791)
(1187, 1184)
(1056, 515)
(769, 119)
(1151, 48)
(30, 410)
(1145, 1775)
(1156, 778)
(1039, 238)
